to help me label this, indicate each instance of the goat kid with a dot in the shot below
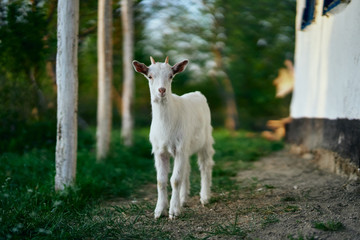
(180, 127)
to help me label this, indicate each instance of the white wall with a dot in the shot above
(327, 64)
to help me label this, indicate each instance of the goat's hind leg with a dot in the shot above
(162, 164)
(205, 162)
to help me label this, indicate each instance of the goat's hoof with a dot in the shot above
(172, 217)
(204, 201)
(174, 213)
(158, 214)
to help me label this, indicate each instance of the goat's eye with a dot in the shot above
(171, 76)
(150, 77)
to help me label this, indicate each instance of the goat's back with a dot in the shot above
(195, 105)
(198, 119)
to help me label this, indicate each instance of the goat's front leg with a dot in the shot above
(176, 181)
(185, 185)
(162, 164)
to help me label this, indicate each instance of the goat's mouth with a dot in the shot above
(160, 98)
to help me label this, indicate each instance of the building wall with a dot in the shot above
(327, 64)
(326, 101)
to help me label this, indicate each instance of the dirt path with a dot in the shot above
(306, 195)
(283, 197)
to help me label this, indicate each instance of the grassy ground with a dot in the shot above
(30, 208)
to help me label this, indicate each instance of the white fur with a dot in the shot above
(181, 127)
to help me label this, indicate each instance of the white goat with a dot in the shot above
(180, 127)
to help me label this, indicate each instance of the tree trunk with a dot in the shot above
(128, 84)
(117, 99)
(67, 97)
(104, 107)
(41, 100)
(227, 92)
(51, 72)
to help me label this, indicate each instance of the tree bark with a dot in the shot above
(128, 83)
(105, 74)
(67, 97)
(41, 100)
(51, 72)
(227, 92)
(117, 99)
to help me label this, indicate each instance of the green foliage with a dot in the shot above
(21, 32)
(26, 136)
(254, 39)
(260, 36)
(25, 45)
(23, 136)
(240, 25)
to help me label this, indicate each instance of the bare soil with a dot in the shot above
(284, 196)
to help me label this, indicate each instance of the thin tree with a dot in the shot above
(105, 74)
(67, 97)
(128, 83)
(226, 88)
(226, 91)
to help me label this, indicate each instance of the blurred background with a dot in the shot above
(235, 48)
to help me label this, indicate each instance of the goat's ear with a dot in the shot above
(180, 66)
(140, 67)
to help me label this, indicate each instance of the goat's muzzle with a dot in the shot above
(162, 92)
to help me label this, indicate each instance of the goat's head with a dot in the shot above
(160, 76)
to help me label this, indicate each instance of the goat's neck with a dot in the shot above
(164, 111)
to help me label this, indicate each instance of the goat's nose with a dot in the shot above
(162, 90)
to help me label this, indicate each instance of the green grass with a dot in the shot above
(288, 199)
(30, 208)
(291, 208)
(301, 237)
(332, 226)
(268, 220)
(236, 152)
(226, 230)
